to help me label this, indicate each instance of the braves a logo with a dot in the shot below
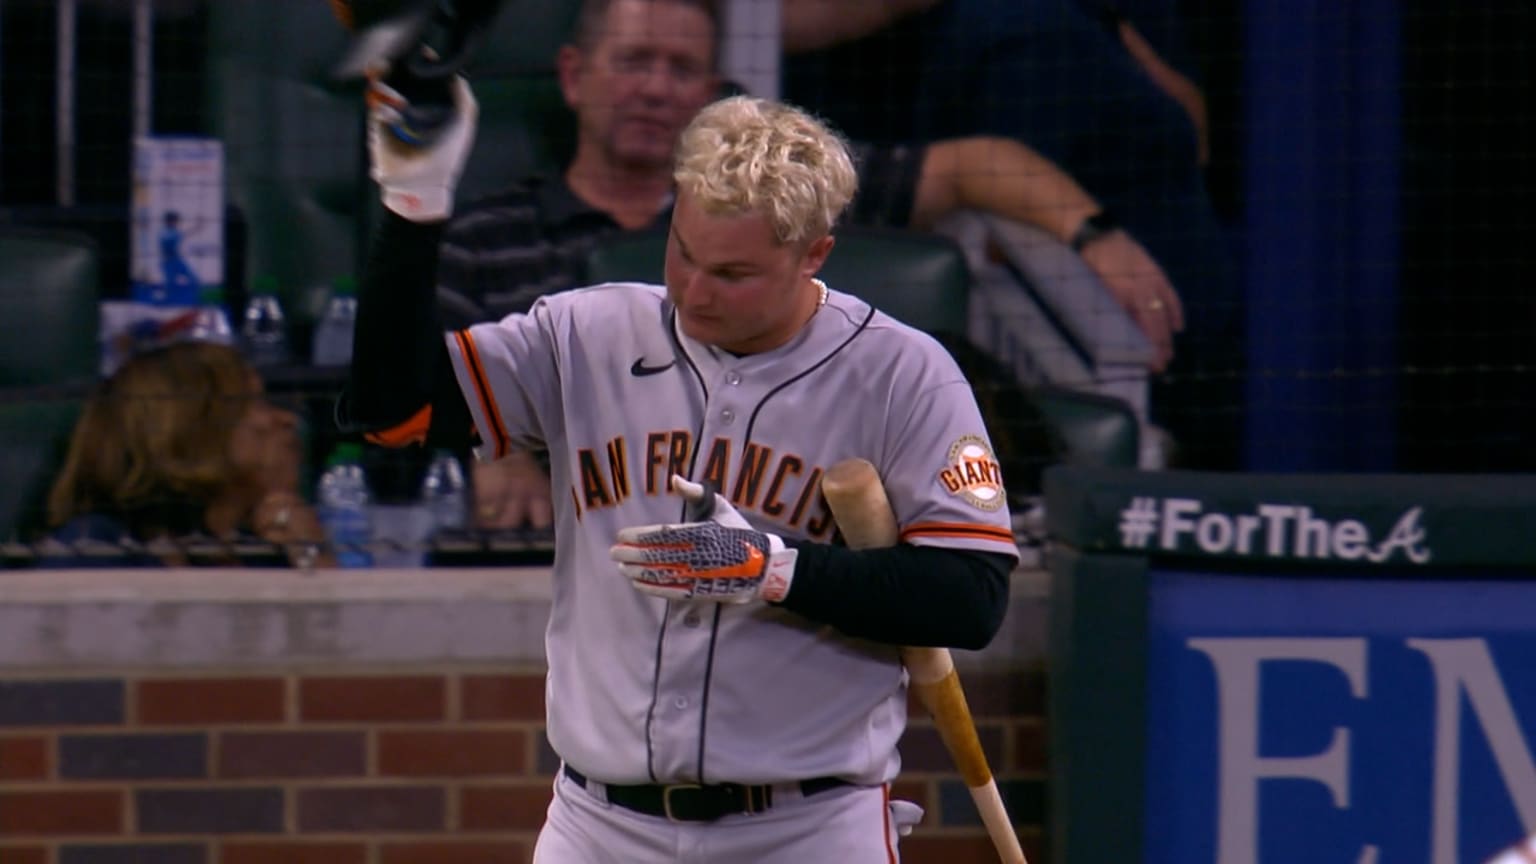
(972, 473)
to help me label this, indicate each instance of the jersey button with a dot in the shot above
(733, 378)
(691, 619)
(680, 702)
(727, 415)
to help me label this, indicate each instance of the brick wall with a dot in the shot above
(439, 765)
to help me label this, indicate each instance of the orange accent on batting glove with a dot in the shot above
(722, 559)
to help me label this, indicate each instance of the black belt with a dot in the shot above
(690, 802)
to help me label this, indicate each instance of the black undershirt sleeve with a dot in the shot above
(400, 360)
(452, 427)
(903, 595)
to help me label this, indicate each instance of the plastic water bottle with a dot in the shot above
(264, 330)
(344, 503)
(444, 493)
(212, 322)
(333, 336)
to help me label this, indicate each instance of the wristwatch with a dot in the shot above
(1094, 227)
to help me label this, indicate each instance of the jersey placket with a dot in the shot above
(680, 721)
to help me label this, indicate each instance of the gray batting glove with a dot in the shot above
(418, 182)
(722, 559)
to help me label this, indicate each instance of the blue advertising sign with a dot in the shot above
(1338, 718)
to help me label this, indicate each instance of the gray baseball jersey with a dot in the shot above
(645, 690)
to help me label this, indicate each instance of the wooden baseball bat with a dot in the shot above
(857, 498)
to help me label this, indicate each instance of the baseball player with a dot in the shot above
(724, 678)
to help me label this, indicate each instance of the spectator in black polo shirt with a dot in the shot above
(636, 73)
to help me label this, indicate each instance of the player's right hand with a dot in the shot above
(418, 182)
(512, 492)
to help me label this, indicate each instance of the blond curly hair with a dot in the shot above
(747, 155)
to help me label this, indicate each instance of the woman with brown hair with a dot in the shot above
(182, 442)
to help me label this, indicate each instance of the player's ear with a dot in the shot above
(568, 63)
(816, 255)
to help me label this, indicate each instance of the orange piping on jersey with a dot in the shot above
(483, 390)
(962, 530)
(890, 851)
(412, 431)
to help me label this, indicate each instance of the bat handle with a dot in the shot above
(427, 112)
(703, 509)
(989, 803)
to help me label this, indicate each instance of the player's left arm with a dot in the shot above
(401, 387)
(902, 595)
(922, 596)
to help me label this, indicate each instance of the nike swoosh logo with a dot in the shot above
(750, 568)
(640, 370)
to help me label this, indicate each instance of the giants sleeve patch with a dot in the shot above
(972, 473)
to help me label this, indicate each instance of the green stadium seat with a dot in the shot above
(917, 277)
(1095, 429)
(524, 125)
(524, 38)
(525, 128)
(49, 288)
(33, 437)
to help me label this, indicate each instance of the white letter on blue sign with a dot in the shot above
(1465, 664)
(1237, 663)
